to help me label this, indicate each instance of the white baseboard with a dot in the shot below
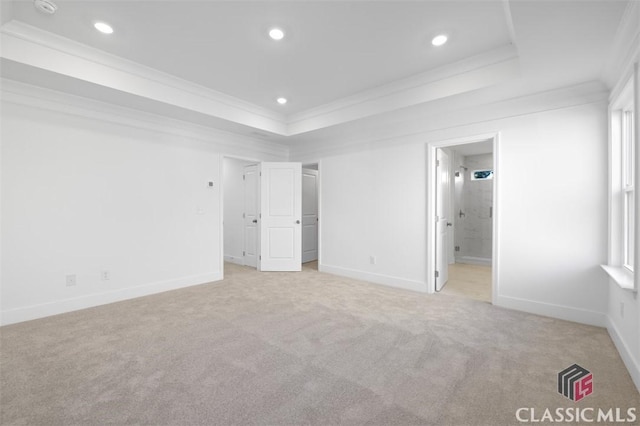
(238, 260)
(68, 305)
(375, 278)
(566, 313)
(470, 260)
(625, 353)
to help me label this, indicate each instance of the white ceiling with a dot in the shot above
(335, 51)
(331, 49)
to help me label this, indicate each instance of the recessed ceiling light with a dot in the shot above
(276, 33)
(45, 6)
(281, 101)
(103, 28)
(439, 40)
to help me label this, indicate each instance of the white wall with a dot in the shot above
(373, 204)
(81, 197)
(85, 190)
(233, 170)
(552, 214)
(624, 327)
(552, 234)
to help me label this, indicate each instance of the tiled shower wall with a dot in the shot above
(474, 198)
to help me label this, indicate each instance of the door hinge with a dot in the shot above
(244, 254)
(437, 274)
(244, 177)
(259, 257)
(437, 163)
(260, 215)
(243, 215)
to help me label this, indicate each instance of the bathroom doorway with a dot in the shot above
(464, 228)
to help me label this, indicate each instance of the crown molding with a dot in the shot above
(469, 74)
(23, 94)
(625, 51)
(32, 46)
(420, 124)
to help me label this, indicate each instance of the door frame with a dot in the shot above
(256, 196)
(222, 192)
(431, 207)
(318, 163)
(317, 174)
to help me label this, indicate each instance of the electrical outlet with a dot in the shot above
(372, 260)
(71, 280)
(621, 309)
(105, 275)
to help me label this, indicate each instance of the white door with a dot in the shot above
(443, 219)
(309, 215)
(281, 214)
(251, 215)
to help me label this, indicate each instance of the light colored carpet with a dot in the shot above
(298, 348)
(472, 281)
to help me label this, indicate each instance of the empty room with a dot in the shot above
(319, 212)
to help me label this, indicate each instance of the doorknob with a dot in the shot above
(297, 222)
(255, 220)
(449, 224)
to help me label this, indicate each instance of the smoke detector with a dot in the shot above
(45, 6)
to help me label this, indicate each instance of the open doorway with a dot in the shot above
(463, 192)
(262, 217)
(310, 218)
(240, 201)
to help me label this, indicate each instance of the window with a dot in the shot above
(628, 193)
(482, 174)
(623, 140)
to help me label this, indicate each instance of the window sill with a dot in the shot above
(622, 276)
